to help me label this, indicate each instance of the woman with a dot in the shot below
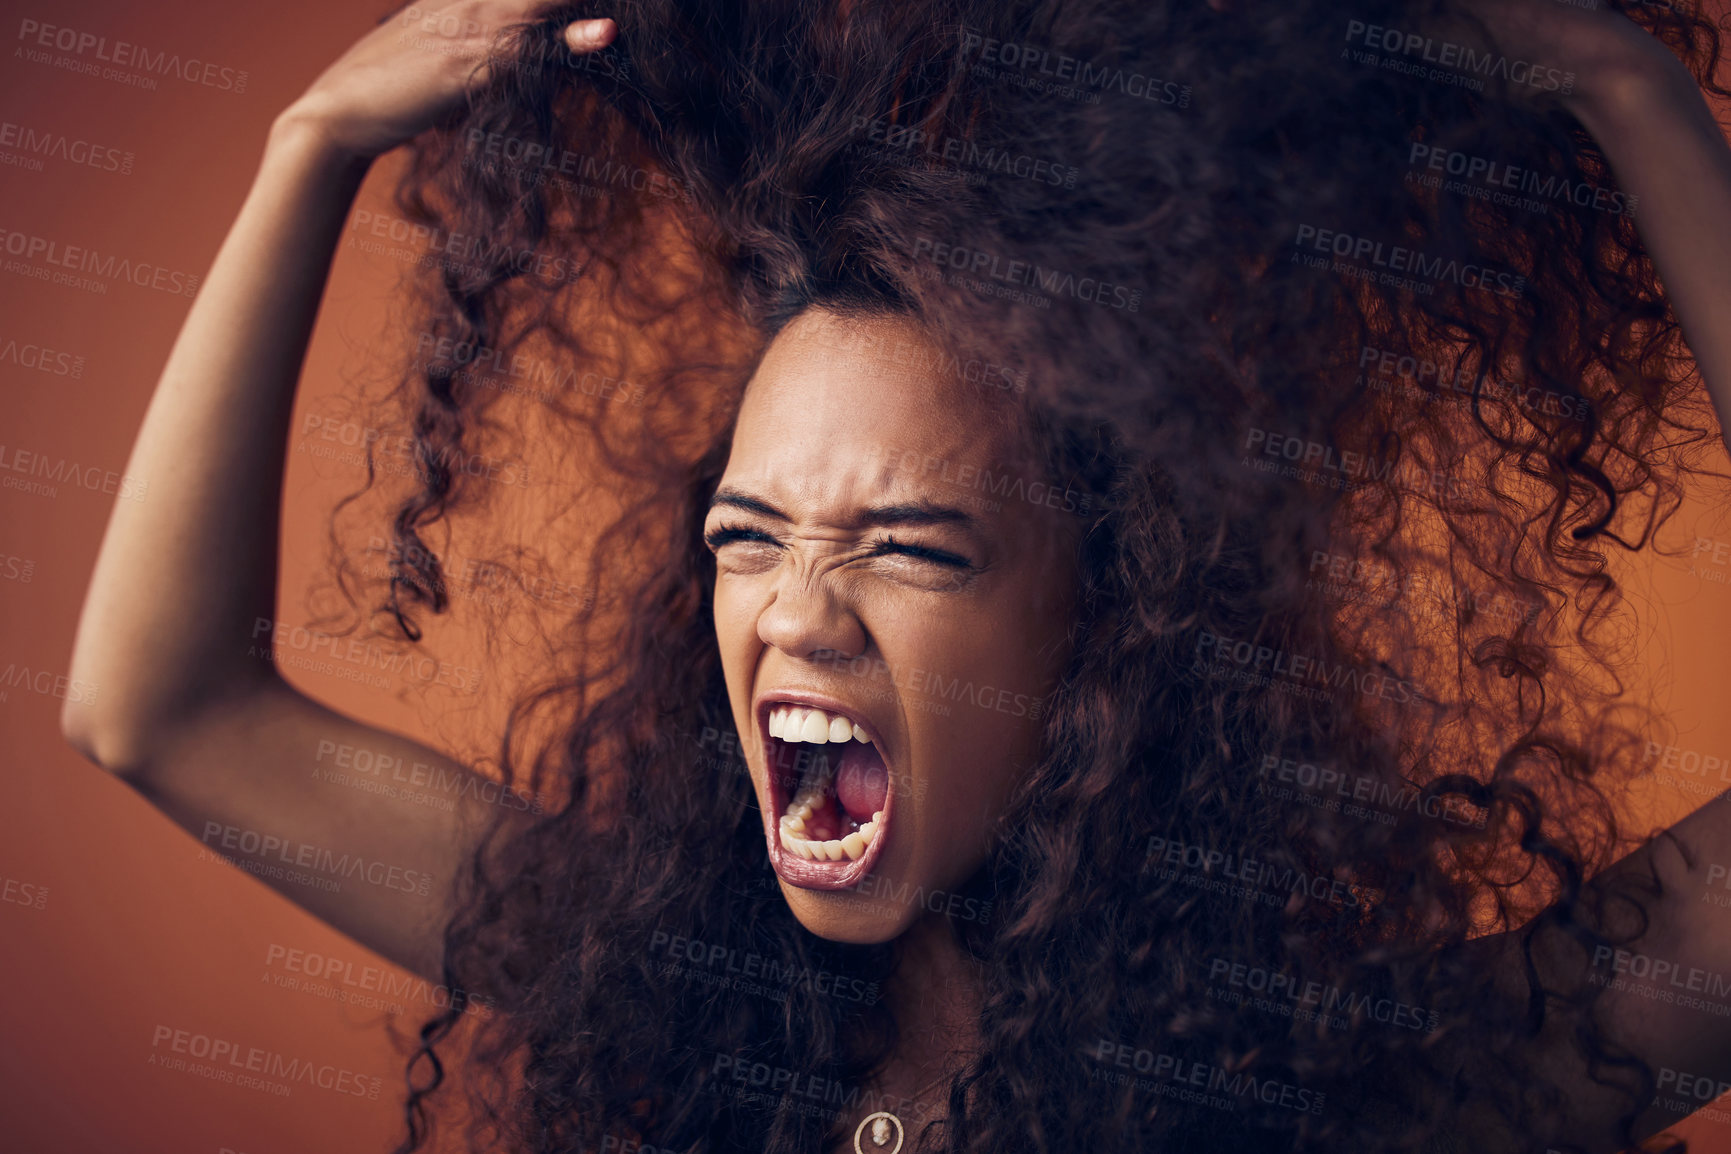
(1100, 639)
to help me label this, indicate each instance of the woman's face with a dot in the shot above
(894, 589)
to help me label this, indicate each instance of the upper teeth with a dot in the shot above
(814, 726)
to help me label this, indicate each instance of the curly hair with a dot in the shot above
(1344, 535)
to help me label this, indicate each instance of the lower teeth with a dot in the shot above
(796, 840)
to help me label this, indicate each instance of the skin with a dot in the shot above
(1652, 121)
(182, 577)
(830, 429)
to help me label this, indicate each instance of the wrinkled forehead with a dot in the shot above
(855, 408)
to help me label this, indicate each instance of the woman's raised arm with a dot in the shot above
(213, 737)
(1666, 990)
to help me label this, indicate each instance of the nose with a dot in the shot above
(808, 619)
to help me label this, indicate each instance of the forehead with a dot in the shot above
(845, 409)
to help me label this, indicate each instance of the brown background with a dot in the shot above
(135, 932)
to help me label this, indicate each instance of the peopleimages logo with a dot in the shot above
(14, 891)
(1351, 789)
(34, 145)
(1484, 178)
(1071, 76)
(550, 163)
(46, 683)
(430, 246)
(28, 248)
(41, 358)
(1400, 260)
(1209, 1079)
(975, 262)
(1700, 1087)
(739, 969)
(358, 653)
(1279, 986)
(37, 37)
(911, 141)
(229, 1060)
(47, 474)
(317, 859)
(1665, 974)
(1423, 378)
(1256, 877)
(1475, 65)
(340, 979)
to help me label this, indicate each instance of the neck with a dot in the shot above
(935, 994)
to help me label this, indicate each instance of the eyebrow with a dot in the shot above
(878, 516)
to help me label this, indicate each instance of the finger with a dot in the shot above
(580, 37)
(588, 35)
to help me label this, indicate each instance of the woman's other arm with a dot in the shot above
(213, 737)
(1668, 991)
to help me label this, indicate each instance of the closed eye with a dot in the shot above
(889, 545)
(728, 534)
(724, 535)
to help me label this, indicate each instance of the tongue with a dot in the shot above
(862, 783)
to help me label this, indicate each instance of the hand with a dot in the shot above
(414, 70)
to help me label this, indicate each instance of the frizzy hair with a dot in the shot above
(1289, 556)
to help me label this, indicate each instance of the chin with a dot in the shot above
(853, 918)
(847, 847)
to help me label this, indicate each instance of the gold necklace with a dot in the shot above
(883, 1132)
(884, 1126)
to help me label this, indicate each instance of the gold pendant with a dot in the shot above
(883, 1125)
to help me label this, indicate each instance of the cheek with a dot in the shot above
(737, 644)
(976, 756)
(972, 691)
(735, 623)
(972, 660)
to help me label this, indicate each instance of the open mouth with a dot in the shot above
(830, 793)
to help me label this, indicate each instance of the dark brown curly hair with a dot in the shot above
(1346, 516)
